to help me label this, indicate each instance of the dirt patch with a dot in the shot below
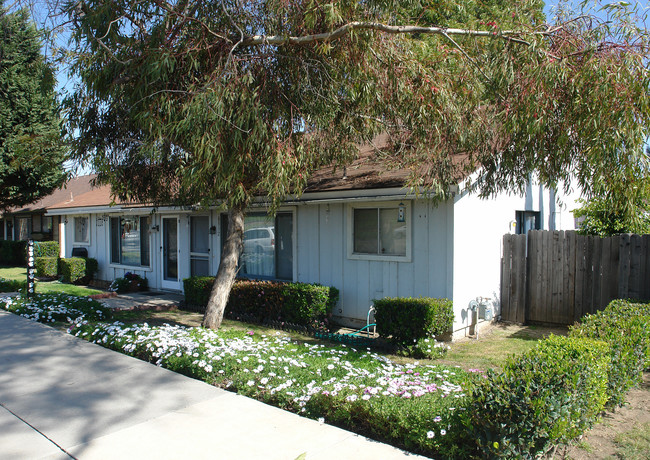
(600, 441)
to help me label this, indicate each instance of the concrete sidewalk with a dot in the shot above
(62, 397)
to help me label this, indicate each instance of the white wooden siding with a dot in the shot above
(322, 235)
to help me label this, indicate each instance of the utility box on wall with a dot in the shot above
(485, 310)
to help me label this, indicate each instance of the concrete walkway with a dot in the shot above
(149, 300)
(62, 397)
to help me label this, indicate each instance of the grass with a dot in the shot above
(13, 273)
(47, 287)
(634, 444)
(493, 347)
(50, 287)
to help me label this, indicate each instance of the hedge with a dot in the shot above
(625, 326)
(92, 267)
(298, 303)
(47, 267)
(197, 290)
(547, 396)
(13, 253)
(12, 285)
(405, 320)
(73, 270)
(46, 249)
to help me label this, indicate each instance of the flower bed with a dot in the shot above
(49, 308)
(411, 406)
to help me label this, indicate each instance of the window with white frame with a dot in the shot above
(82, 229)
(130, 240)
(380, 231)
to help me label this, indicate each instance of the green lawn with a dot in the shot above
(13, 273)
(44, 287)
(495, 345)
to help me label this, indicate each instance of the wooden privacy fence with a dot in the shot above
(557, 277)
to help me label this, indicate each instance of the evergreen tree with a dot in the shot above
(31, 148)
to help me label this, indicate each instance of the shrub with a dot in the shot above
(625, 325)
(13, 253)
(47, 267)
(73, 270)
(92, 267)
(197, 290)
(131, 282)
(406, 320)
(547, 396)
(12, 285)
(298, 303)
(46, 249)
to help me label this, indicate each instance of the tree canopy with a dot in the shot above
(192, 102)
(620, 205)
(31, 148)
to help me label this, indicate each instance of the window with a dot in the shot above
(130, 240)
(23, 228)
(268, 246)
(10, 230)
(81, 230)
(200, 246)
(380, 232)
(528, 220)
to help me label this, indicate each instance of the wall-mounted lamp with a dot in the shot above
(155, 228)
(213, 230)
(401, 213)
(65, 221)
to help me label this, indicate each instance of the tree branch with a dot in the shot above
(279, 40)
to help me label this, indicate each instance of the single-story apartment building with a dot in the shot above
(357, 229)
(22, 223)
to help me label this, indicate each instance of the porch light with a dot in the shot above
(155, 228)
(401, 213)
(213, 230)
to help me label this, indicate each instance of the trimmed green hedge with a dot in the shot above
(47, 267)
(12, 285)
(197, 290)
(409, 319)
(298, 303)
(625, 326)
(92, 267)
(547, 396)
(46, 249)
(13, 253)
(73, 269)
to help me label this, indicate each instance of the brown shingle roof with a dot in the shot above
(366, 172)
(69, 191)
(99, 196)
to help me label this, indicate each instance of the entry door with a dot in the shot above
(170, 250)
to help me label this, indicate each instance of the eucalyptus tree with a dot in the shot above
(31, 148)
(195, 102)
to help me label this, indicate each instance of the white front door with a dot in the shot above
(170, 251)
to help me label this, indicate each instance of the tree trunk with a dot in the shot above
(227, 269)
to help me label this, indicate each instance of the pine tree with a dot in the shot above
(31, 148)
